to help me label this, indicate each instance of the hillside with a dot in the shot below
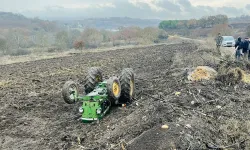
(110, 23)
(11, 20)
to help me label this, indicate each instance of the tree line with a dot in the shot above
(204, 22)
(20, 40)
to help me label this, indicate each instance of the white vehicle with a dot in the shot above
(228, 41)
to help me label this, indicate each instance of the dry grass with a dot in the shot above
(246, 78)
(202, 73)
(233, 72)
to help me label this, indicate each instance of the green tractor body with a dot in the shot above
(95, 104)
(99, 97)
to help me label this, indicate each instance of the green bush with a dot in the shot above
(168, 24)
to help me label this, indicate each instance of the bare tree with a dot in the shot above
(224, 29)
(73, 35)
(41, 39)
(150, 35)
(78, 44)
(92, 38)
(62, 40)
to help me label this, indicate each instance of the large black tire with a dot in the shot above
(127, 80)
(114, 89)
(70, 92)
(93, 77)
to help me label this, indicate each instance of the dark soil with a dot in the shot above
(205, 114)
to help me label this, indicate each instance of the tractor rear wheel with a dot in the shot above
(94, 76)
(70, 92)
(114, 89)
(127, 80)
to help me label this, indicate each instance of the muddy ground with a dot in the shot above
(204, 115)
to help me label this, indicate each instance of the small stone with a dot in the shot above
(177, 93)
(188, 126)
(164, 126)
(192, 102)
(33, 94)
(155, 96)
(218, 107)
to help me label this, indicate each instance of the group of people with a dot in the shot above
(242, 48)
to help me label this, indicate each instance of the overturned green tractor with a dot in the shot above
(100, 94)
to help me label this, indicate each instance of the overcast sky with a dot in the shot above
(147, 9)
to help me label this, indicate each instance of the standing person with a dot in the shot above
(218, 40)
(248, 49)
(238, 48)
(245, 45)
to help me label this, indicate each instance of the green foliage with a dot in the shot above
(204, 22)
(168, 24)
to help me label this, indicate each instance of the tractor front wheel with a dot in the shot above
(114, 89)
(70, 92)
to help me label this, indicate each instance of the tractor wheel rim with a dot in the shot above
(131, 88)
(72, 91)
(72, 96)
(116, 89)
(98, 78)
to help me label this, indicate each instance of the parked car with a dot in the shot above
(228, 41)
